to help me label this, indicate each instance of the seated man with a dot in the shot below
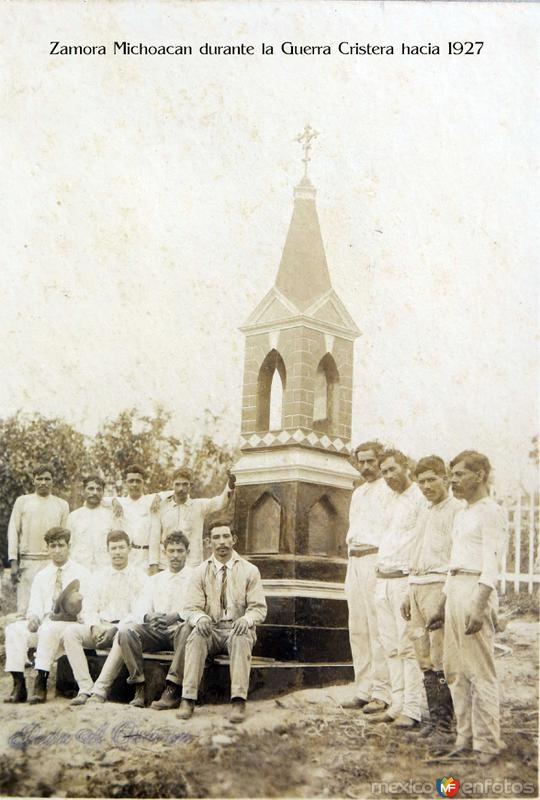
(225, 601)
(38, 627)
(116, 592)
(161, 611)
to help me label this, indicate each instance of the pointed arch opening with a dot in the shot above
(270, 391)
(321, 525)
(264, 525)
(326, 398)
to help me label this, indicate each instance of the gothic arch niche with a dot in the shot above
(264, 525)
(270, 389)
(326, 398)
(321, 523)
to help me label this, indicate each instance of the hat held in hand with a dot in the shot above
(69, 604)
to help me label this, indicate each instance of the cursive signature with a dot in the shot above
(122, 735)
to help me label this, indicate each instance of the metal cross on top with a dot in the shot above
(305, 140)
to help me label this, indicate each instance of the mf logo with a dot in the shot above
(447, 787)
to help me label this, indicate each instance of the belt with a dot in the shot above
(396, 574)
(359, 553)
(465, 572)
(141, 546)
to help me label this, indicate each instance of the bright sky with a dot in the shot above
(147, 199)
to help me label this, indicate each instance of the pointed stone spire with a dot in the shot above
(303, 274)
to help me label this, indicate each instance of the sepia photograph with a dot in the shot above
(269, 457)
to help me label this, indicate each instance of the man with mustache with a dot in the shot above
(427, 574)
(392, 586)
(368, 504)
(32, 516)
(89, 526)
(180, 512)
(225, 602)
(479, 539)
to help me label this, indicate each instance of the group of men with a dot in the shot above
(128, 574)
(421, 590)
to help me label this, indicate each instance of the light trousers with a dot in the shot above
(428, 645)
(76, 639)
(110, 670)
(18, 640)
(221, 640)
(372, 681)
(408, 695)
(469, 667)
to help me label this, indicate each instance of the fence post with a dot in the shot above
(531, 541)
(517, 543)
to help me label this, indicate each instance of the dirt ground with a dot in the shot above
(300, 745)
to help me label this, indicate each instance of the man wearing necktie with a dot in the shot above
(225, 601)
(40, 627)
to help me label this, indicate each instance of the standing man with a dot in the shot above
(47, 588)
(225, 602)
(32, 516)
(392, 587)
(89, 526)
(366, 516)
(429, 564)
(479, 542)
(134, 515)
(162, 626)
(181, 513)
(116, 592)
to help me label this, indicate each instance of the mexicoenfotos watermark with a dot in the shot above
(121, 735)
(452, 787)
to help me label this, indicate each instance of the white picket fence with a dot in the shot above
(521, 565)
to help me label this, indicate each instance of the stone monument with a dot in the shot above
(294, 477)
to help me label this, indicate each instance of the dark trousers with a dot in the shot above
(136, 639)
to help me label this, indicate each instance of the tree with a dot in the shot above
(27, 440)
(134, 438)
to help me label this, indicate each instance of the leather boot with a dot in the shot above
(445, 705)
(18, 693)
(39, 694)
(138, 700)
(172, 694)
(431, 687)
(186, 708)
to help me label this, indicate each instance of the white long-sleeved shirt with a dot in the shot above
(367, 513)
(399, 529)
(89, 528)
(164, 593)
(114, 596)
(31, 518)
(479, 540)
(432, 544)
(189, 518)
(43, 586)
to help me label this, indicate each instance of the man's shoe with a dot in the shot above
(138, 700)
(18, 693)
(39, 694)
(80, 700)
(170, 698)
(186, 709)
(238, 710)
(403, 721)
(375, 707)
(96, 699)
(354, 702)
